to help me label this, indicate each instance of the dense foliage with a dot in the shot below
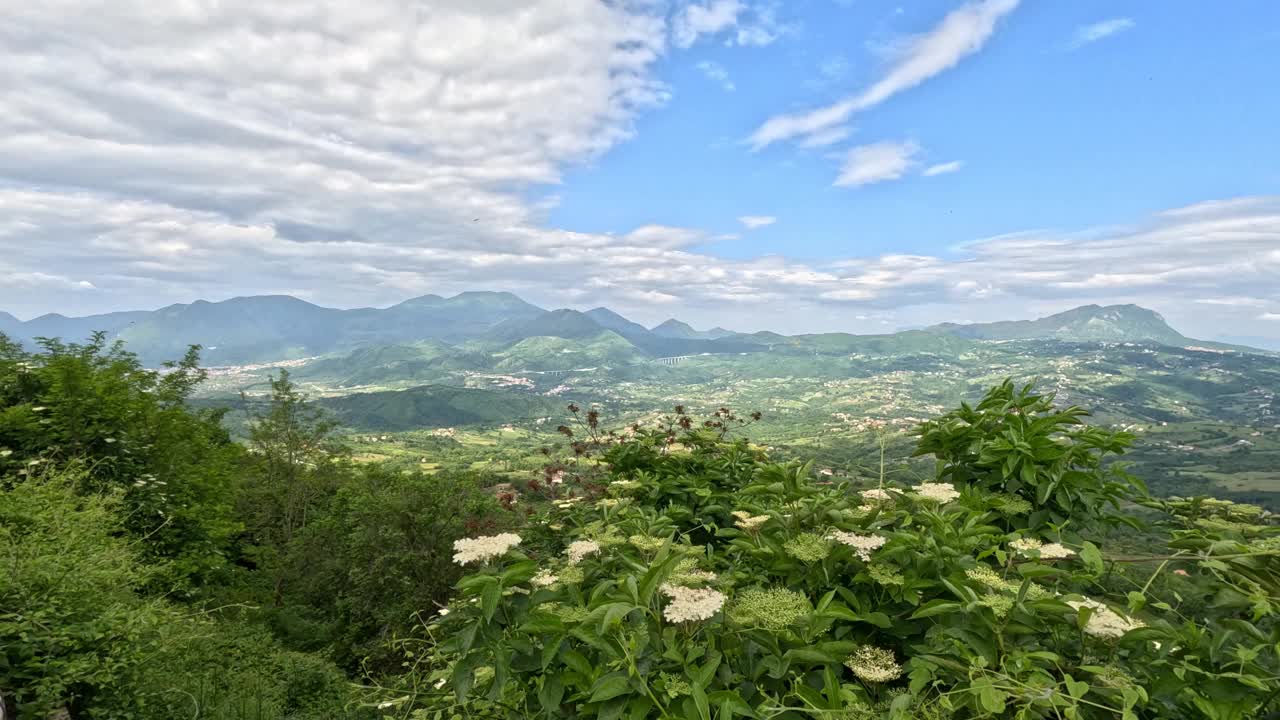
(688, 576)
(155, 568)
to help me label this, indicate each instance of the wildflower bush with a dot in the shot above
(684, 574)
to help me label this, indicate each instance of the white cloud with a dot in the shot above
(751, 222)
(1086, 34)
(877, 162)
(756, 24)
(942, 168)
(41, 281)
(961, 33)
(162, 152)
(830, 136)
(716, 73)
(762, 28)
(1232, 301)
(147, 253)
(710, 18)
(1269, 316)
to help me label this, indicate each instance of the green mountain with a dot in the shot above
(1089, 322)
(438, 406)
(606, 348)
(557, 323)
(424, 362)
(255, 330)
(611, 320)
(70, 329)
(240, 330)
(673, 328)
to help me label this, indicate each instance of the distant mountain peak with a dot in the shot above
(1084, 323)
(674, 328)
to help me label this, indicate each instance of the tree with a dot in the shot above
(133, 431)
(293, 470)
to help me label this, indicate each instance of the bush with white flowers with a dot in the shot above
(725, 585)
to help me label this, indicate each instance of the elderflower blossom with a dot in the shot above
(861, 544)
(874, 664)
(691, 604)
(646, 543)
(483, 549)
(749, 522)
(807, 547)
(878, 495)
(1055, 551)
(775, 609)
(1104, 622)
(544, 578)
(1025, 546)
(579, 549)
(687, 572)
(937, 492)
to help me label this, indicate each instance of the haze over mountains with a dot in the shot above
(277, 327)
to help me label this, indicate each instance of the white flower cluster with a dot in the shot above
(1055, 551)
(579, 549)
(483, 549)
(691, 604)
(878, 494)
(544, 578)
(567, 503)
(749, 522)
(861, 544)
(1052, 551)
(1025, 545)
(874, 664)
(1105, 622)
(936, 492)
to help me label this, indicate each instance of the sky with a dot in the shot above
(800, 166)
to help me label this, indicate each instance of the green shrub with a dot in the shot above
(699, 580)
(76, 633)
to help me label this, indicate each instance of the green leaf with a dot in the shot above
(700, 699)
(577, 662)
(731, 699)
(613, 709)
(551, 693)
(936, 607)
(702, 676)
(1092, 558)
(1076, 688)
(610, 686)
(489, 598)
(542, 622)
(519, 573)
(992, 699)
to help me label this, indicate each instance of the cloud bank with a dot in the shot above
(356, 154)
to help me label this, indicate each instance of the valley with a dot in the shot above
(481, 381)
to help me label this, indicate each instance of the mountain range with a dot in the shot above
(278, 327)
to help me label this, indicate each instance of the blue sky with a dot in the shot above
(802, 166)
(1167, 111)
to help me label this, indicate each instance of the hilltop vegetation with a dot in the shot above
(157, 569)
(689, 576)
